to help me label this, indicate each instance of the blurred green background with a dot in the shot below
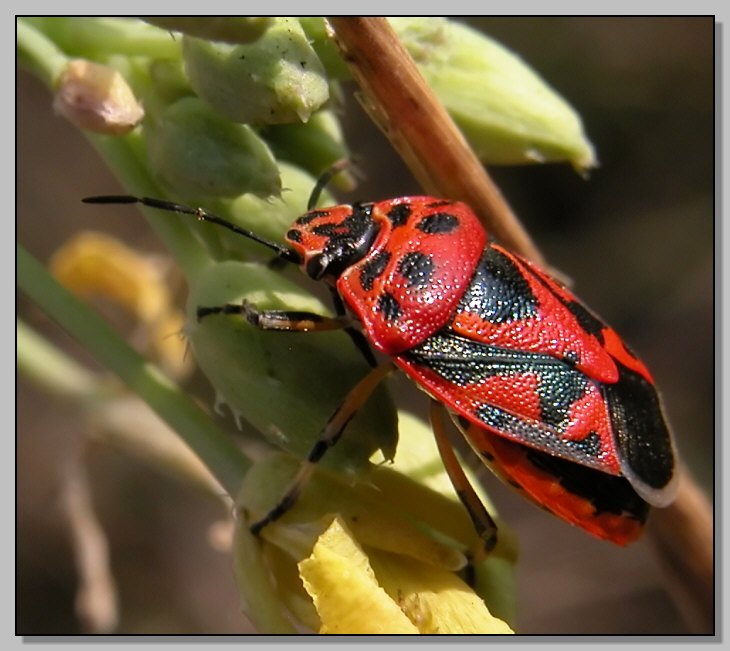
(636, 238)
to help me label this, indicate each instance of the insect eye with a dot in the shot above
(317, 266)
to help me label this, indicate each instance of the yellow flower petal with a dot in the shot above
(96, 264)
(367, 514)
(435, 600)
(345, 592)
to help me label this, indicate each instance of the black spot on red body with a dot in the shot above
(294, 235)
(373, 269)
(389, 306)
(417, 268)
(399, 214)
(438, 224)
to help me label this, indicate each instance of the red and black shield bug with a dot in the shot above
(547, 395)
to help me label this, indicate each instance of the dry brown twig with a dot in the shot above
(416, 123)
(96, 596)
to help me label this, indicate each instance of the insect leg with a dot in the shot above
(329, 435)
(483, 523)
(286, 320)
(356, 336)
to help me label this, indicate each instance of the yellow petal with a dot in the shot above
(96, 264)
(436, 601)
(368, 515)
(344, 590)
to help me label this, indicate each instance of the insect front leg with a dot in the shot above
(483, 522)
(284, 320)
(329, 435)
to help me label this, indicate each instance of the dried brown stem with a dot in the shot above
(418, 126)
(96, 598)
(683, 534)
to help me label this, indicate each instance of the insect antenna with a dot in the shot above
(324, 179)
(203, 215)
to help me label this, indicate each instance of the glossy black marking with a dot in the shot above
(537, 435)
(294, 235)
(389, 306)
(571, 357)
(399, 214)
(310, 216)
(417, 268)
(558, 391)
(439, 223)
(498, 292)
(347, 242)
(463, 361)
(641, 433)
(373, 269)
(607, 493)
(586, 320)
(504, 421)
(590, 445)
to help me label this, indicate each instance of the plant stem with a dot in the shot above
(38, 53)
(226, 461)
(418, 126)
(51, 368)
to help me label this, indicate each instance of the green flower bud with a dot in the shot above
(276, 79)
(270, 218)
(315, 27)
(285, 384)
(314, 146)
(233, 29)
(169, 80)
(199, 153)
(507, 113)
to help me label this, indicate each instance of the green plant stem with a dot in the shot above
(50, 368)
(38, 53)
(95, 37)
(227, 463)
